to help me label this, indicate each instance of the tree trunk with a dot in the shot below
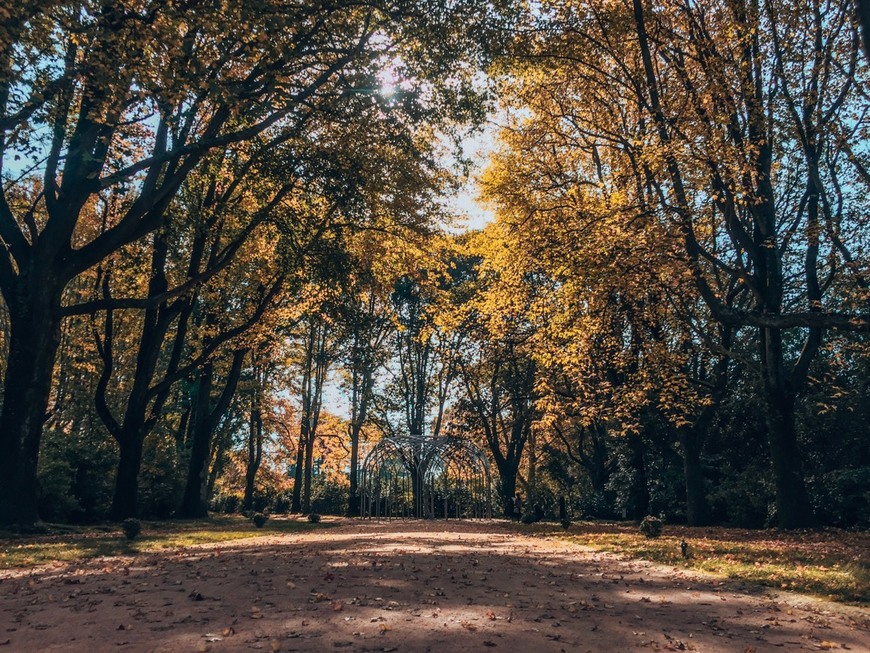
(697, 512)
(309, 463)
(296, 503)
(125, 500)
(353, 507)
(33, 345)
(508, 482)
(361, 394)
(191, 503)
(638, 504)
(255, 452)
(533, 471)
(793, 509)
(194, 503)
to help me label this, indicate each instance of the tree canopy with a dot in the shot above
(230, 267)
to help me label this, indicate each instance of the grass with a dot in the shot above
(65, 544)
(833, 564)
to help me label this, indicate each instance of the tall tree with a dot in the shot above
(720, 131)
(127, 99)
(367, 325)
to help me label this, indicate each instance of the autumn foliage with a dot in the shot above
(229, 267)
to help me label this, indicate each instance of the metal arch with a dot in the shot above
(413, 476)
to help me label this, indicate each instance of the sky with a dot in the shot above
(478, 149)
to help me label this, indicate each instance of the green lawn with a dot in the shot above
(65, 544)
(833, 564)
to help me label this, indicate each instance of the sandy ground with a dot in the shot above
(405, 586)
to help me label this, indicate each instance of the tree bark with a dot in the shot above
(255, 449)
(125, 500)
(194, 503)
(697, 510)
(34, 341)
(309, 462)
(793, 508)
(296, 502)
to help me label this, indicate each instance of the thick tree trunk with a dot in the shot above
(793, 509)
(125, 500)
(360, 405)
(508, 464)
(33, 345)
(531, 499)
(508, 483)
(192, 506)
(697, 511)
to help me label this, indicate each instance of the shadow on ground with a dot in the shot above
(402, 586)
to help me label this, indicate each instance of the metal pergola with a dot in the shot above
(425, 478)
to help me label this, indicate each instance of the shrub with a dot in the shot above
(842, 497)
(313, 517)
(598, 505)
(651, 526)
(566, 523)
(529, 518)
(131, 527)
(328, 497)
(232, 503)
(259, 519)
(282, 503)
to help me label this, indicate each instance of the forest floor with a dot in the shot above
(406, 586)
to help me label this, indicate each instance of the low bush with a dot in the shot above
(131, 527)
(259, 519)
(651, 526)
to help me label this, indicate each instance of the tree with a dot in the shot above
(318, 352)
(367, 325)
(717, 133)
(110, 100)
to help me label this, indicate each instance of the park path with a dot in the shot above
(405, 586)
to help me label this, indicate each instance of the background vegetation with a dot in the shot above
(229, 268)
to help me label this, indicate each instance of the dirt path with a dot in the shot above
(404, 587)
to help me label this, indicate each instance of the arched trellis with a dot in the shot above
(421, 477)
